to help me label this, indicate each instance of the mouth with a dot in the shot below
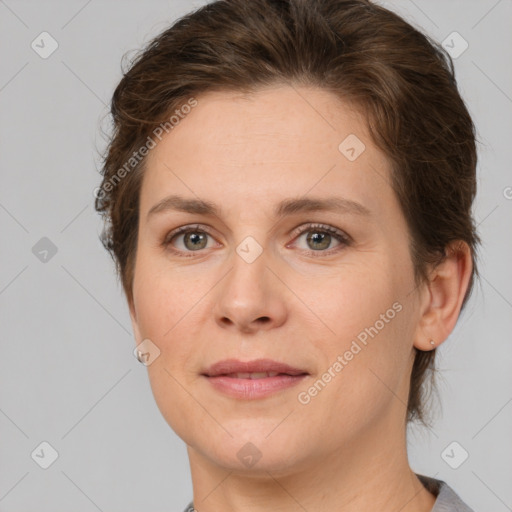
(252, 379)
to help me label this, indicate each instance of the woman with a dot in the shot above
(288, 192)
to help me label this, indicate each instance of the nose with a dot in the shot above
(251, 296)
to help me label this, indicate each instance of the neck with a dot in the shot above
(371, 473)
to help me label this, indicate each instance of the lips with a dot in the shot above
(256, 369)
(252, 380)
(254, 375)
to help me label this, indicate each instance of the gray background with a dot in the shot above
(67, 372)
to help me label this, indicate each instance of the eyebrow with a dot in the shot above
(285, 207)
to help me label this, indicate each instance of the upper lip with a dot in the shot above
(257, 365)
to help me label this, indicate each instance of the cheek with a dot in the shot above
(369, 343)
(165, 315)
(163, 299)
(353, 298)
(365, 374)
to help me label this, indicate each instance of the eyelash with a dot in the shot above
(344, 239)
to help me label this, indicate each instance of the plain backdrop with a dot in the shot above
(68, 377)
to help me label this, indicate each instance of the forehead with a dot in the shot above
(288, 116)
(277, 142)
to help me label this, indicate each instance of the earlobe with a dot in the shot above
(446, 289)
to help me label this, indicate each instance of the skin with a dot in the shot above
(300, 303)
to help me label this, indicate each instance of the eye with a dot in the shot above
(319, 237)
(194, 238)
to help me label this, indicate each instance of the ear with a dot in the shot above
(442, 296)
(135, 324)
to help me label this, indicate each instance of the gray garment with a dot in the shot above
(447, 500)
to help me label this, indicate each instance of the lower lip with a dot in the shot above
(251, 389)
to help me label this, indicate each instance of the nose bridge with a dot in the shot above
(247, 296)
(251, 254)
(248, 280)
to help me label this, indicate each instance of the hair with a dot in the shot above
(402, 82)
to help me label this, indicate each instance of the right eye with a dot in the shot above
(193, 239)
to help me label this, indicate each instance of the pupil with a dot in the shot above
(194, 237)
(318, 238)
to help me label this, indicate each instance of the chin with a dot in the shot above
(253, 448)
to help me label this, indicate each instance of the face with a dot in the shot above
(300, 256)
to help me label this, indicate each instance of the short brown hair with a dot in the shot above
(401, 80)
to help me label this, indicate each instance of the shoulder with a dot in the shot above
(447, 499)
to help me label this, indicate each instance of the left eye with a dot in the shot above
(319, 238)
